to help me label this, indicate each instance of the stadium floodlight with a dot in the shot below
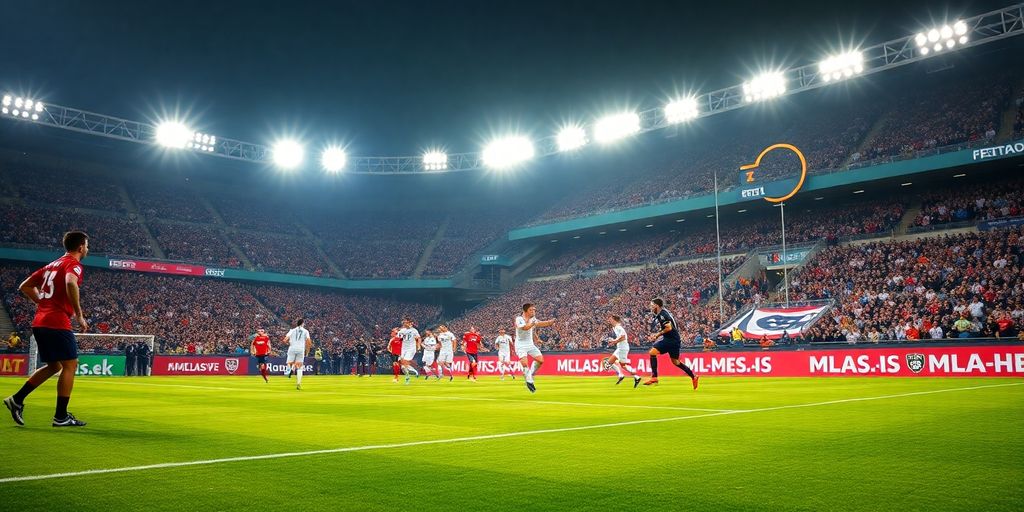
(507, 152)
(843, 65)
(21, 108)
(200, 141)
(942, 38)
(681, 110)
(173, 134)
(333, 159)
(571, 138)
(764, 86)
(288, 153)
(435, 160)
(616, 126)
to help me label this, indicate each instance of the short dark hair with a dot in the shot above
(527, 306)
(658, 302)
(74, 239)
(299, 321)
(617, 318)
(407, 318)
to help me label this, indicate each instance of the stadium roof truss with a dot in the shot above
(982, 29)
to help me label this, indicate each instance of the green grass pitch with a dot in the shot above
(578, 444)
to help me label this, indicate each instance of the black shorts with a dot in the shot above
(472, 358)
(361, 359)
(261, 359)
(668, 346)
(55, 344)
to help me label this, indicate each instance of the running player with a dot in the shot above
(620, 357)
(526, 347)
(429, 351)
(446, 356)
(395, 349)
(299, 343)
(503, 343)
(471, 346)
(260, 349)
(669, 342)
(410, 345)
(55, 290)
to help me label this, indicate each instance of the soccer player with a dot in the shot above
(299, 343)
(429, 351)
(471, 346)
(395, 349)
(669, 342)
(55, 289)
(446, 356)
(372, 356)
(260, 348)
(361, 358)
(504, 345)
(526, 348)
(620, 357)
(410, 345)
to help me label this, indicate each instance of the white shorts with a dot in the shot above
(428, 358)
(408, 354)
(296, 355)
(504, 357)
(622, 354)
(527, 350)
(446, 357)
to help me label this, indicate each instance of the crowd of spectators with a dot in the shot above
(41, 185)
(973, 203)
(281, 253)
(466, 233)
(198, 243)
(1018, 117)
(256, 214)
(177, 203)
(27, 226)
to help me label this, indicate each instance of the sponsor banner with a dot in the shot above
(13, 364)
(158, 267)
(200, 365)
(989, 225)
(771, 322)
(1009, 149)
(214, 272)
(771, 189)
(100, 366)
(774, 258)
(277, 365)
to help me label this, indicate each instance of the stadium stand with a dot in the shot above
(975, 202)
(22, 226)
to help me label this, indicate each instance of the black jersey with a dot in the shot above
(664, 318)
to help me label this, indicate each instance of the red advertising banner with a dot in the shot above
(200, 365)
(13, 364)
(180, 269)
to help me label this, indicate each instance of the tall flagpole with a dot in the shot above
(785, 261)
(718, 237)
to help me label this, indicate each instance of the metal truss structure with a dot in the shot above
(982, 29)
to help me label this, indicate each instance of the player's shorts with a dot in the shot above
(428, 358)
(667, 346)
(504, 356)
(622, 353)
(360, 359)
(55, 344)
(472, 358)
(407, 354)
(446, 356)
(261, 359)
(527, 350)
(296, 355)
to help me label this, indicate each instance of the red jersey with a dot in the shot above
(395, 346)
(261, 345)
(472, 341)
(54, 310)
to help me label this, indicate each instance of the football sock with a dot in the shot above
(298, 375)
(27, 388)
(684, 368)
(263, 372)
(62, 407)
(618, 369)
(629, 368)
(654, 367)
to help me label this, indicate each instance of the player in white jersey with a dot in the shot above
(526, 348)
(504, 345)
(410, 345)
(445, 356)
(299, 343)
(429, 351)
(620, 356)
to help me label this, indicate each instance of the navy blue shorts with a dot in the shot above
(261, 359)
(667, 346)
(55, 344)
(472, 358)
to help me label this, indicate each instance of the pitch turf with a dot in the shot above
(579, 443)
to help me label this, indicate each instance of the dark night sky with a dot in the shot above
(395, 77)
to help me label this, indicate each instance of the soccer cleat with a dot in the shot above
(451, 378)
(513, 376)
(531, 387)
(620, 380)
(651, 382)
(298, 386)
(395, 380)
(17, 410)
(696, 380)
(636, 382)
(406, 379)
(69, 421)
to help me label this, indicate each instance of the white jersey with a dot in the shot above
(524, 337)
(503, 342)
(620, 332)
(447, 340)
(408, 335)
(429, 344)
(297, 338)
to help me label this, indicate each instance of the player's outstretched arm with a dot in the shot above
(544, 323)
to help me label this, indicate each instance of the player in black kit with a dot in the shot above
(669, 342)
(371, 353)
(361, 367)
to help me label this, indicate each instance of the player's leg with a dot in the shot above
(300, 364)
(65, 384)
(16, 402)
(686, 369)
(655, 352)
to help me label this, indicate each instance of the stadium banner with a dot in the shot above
(200, 365)
(989, 225)
(180, 269)
(13, 364)
(748, 191)
(771, 322)
(773, 260)
(100, 366)
(277, 365)
(1002, 150)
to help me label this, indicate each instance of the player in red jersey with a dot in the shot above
(260, 348)
(471, 346)
(395, 349)
(55, 289)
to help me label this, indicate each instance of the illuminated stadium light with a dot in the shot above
(172, 134)
(288, 153)
(435, 160)
(508, 152)
(21, 108)
(844, 65)
(616, 126)
(333, 159)
(200, 141)
(681, 110)
(942, 38)
(571, 138)
(764, 87)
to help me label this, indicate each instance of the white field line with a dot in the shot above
(207, 462)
